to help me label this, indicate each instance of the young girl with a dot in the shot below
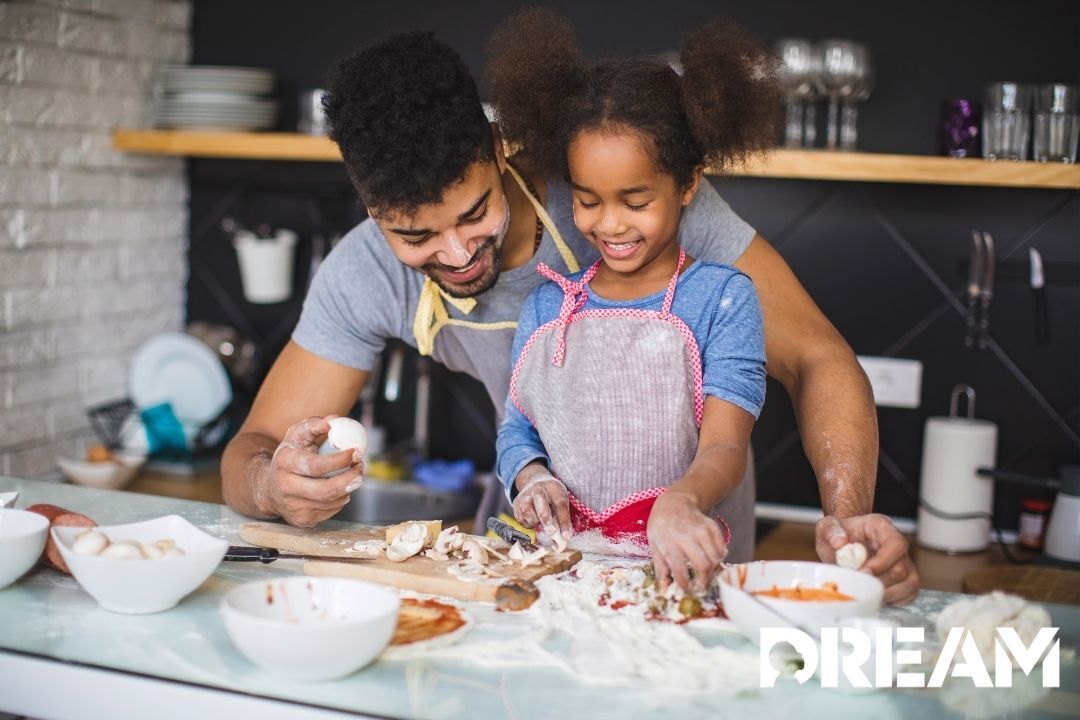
(636, 382)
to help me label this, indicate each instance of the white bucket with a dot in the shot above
(266, 265)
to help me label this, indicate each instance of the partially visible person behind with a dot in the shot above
(445, 263)
(636, 382)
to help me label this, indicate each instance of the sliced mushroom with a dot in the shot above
(449, 541)
(370, 548)
(519, 555)
(475, 551)
(410, 541)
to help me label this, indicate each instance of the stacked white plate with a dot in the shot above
(205, 97)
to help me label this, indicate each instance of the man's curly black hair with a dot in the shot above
(407, 116)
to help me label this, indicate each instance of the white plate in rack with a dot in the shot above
(178, 369)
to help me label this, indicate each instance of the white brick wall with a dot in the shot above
(92, 242)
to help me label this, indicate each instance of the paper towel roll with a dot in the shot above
(953, 449)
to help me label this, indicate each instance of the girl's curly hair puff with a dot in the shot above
(723, 109)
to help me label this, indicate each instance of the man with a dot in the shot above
(445, 263)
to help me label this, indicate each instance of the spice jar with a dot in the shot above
(1033, 516)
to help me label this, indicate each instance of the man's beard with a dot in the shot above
(473, 287)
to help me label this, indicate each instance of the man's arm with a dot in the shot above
(828, 388)
(270, 468)
(837, 419)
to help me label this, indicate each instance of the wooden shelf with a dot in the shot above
(238, 145)
(790, 164)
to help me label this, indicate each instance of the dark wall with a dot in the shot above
(885, 262)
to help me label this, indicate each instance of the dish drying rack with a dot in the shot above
(109, 421)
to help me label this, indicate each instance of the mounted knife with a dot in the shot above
(973, 287)
(237, 553)
(510, 535)
(986, 290)
(1038, 289)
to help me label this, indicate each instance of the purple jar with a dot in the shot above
(960, 129)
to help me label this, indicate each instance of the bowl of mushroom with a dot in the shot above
(142, 567)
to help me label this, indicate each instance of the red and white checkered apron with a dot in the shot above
(616, 397)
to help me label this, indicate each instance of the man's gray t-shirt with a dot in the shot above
(363, 295)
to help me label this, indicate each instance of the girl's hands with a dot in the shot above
(542, 502)
(681, 535)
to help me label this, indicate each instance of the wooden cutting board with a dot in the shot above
(419, 574)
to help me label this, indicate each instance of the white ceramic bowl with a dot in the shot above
(751, 613)
(310, 628)
(107, 475)
(22, 538)
(144, 586)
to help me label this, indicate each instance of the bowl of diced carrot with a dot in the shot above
(803, 595)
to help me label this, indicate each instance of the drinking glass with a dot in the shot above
(1006, 121)
(797, 80)
(863, 86)
(838, 78)
(1057, 124)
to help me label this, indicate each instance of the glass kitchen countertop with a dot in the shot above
(46, 615)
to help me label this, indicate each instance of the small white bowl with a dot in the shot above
(751, 613)
(7, 499)
(106, 475)
(144, 586)
(22, 538)
(310, 628)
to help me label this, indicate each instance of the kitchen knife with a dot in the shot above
(974, 278)
(237, 553)
(509, 534)
(1038, 289)
(986, 290)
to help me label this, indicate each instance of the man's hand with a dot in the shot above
(886, 548)
(542, 502)
(296, 488)
(680, 534)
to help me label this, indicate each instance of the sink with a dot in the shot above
(382, 502)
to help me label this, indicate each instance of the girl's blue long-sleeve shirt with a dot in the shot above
(719, 305)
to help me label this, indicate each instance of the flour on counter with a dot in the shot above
(613, 647)
(568, 629)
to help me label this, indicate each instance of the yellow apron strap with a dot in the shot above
(541, 212)
(431, 314)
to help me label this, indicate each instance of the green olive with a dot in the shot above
(690, 606)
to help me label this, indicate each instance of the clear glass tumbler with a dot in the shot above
(1006, 121)
(1057, 124)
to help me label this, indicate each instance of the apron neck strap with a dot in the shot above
(669, 296)
(564, 249)
(574, 296)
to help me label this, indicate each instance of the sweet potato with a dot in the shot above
(58, 517)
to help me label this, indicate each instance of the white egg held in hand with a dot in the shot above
(345, 434)
(90, 542)
(852, 556)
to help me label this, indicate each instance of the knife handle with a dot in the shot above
(969, 322)
(237, 553)
(984, 323)
(1042, 318)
